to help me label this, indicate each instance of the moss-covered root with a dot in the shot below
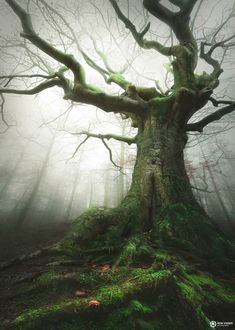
(127, 299)
(189, 228)
(119, 230)
(101, 230)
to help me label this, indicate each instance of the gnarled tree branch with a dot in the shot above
(80, 92)
(39, 88)
(101, 137)
(107, 73)
(178, 22)
(139, 36)
(208, 56)
(3, 115)
(108, 137)
(35, 39)
(110, 103)
(217, 115)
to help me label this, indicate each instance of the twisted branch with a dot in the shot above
(139, 36)
(217, 115)
(108, 137)
(29, 34)
(103, 137)
(39, 88)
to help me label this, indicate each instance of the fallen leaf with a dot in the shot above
(94, 303)
(79, 293)
(102, 267)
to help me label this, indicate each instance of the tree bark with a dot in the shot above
(161, 189)
(159, 176)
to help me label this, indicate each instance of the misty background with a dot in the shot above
(45, 182)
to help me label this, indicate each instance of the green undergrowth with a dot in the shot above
(116, 233)
(167, 293)
(101, 231)
(114, 277)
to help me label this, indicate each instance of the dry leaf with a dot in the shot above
(94, 303)
(79, 293)
(102, 267)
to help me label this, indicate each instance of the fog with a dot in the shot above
(45, 182)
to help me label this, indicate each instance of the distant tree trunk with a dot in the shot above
(71, 198)
(107, 190)
(14, 212)
(23, 213)
(197, 194)
(12, 173)
(54, 206)
(90, 194)
(121, 176)
(217, 193)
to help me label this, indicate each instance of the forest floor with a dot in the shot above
(42, 288)
(29, 239)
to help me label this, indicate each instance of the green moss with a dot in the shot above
(88, 278)
(202, 280)
(217, 291)
(130, 298)
(118, 79)
(32, 319)
(190, 293)
(110, 294)
(140, 307)
(130, 295)
(47, 279)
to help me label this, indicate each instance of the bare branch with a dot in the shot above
(57, 117)
(31, 35)
(208, 56)
(2, 114)
(178, 22)
(108, 74)
(159, 11)
(28, 76)
(111, 155)
(15, 76)
(217, 70)
(41, 87)
(187, 6)
(202, 189)
(220, 27)
(100, 137)
(108, 137)
(139, 36)
(79, 146)
(196, 14)
(217, 115)
(80, 92)
(216, 103)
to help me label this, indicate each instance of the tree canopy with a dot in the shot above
(182, 48)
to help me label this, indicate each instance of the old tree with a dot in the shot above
(159, 224)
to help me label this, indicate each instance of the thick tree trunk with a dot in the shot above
(160, 204)
(160, 185)
(159, 176)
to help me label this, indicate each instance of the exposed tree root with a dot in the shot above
(50, 250)
(119, 278)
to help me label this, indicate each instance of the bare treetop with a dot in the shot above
(136, 101)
